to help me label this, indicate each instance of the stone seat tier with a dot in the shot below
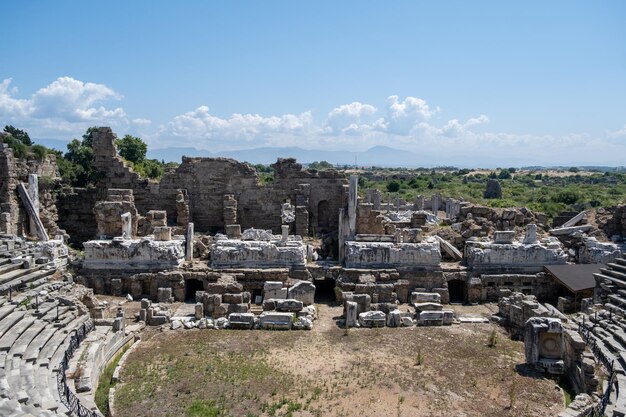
(621, 261)
(9, 267)
(58, 337)
(616, 281)
(25, 339)
(37, 344)
(613, 273)
(11, 320)
(10, 337)
(5, 310)
(617, 267)
(13, 275)
(27, 278)
(617, 300)
(614, 308)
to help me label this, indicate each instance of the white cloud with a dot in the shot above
(455, 128)
(620, 133)
(403, 117)
(349, 118)
(64, 105)
(141, 122)
(201, 124)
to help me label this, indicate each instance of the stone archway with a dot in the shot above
(457, 289)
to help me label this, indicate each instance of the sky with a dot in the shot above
(473, 82)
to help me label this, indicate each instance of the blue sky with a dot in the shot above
(528, 82)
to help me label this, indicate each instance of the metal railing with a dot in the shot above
(599, 409)
(68, 398)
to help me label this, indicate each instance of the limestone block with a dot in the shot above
(133, 254)
(363, 301)
(391, 255)
(303, 291)
(237, 308)
(289, 305)
(162, 233)
(394, 319)
(233, 231)
(515, 256)
(145, 303)
(276, 320)
(274, 290)
(199, 311)
(257, 234)
(302, 323)
(220, 311)
(430, 318)
(164, 295)
(232, 298)
(531, 234)
(448, 317)
(504, 236)
(243, 321)
(143, 313)
(407, 321)
(269, 304)
(425, 297)
(594, 252)
(118, 324)
(230, 253)
(350, 313)
(372, 319)
(419, 307)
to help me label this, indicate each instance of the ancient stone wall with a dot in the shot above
(15, 170)
(76, 215)
(207, 180)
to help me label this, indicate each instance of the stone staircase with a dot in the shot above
(612, 282)
(35, 333)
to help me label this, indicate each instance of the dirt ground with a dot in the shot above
(418, 371)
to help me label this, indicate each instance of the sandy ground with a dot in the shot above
(436, 371)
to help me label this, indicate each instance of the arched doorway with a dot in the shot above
(457, 291)
(191, 286)
(324, 217)
(325, 291)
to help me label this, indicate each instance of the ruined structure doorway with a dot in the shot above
(325, 291)
(456, 289)
(324, 217)
(191, 286)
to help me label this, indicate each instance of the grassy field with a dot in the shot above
(330, 372)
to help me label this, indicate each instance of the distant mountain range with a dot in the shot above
(382, 156)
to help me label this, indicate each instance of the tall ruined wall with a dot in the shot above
(15, 170)
(319, 195)
(76, 216)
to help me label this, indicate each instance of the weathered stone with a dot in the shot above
(430, 318)
(394, 319)
(276, 320)
(232, 298)
(199, 311)
(424, 255)
(303, 291)
(237, 308)
(164, 295)
(425, 297)
(289, 305)
(229, 253)
(372, 319)
(241, 321)
(350, 313)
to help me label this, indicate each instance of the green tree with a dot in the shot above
(18, 134)
(132, 149)
(393, 186)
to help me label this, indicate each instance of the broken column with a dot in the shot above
(285, 232)
(33, 193)
(352, 204)
(434, 203)
(531, 234)
(182, 207)
(127, 228)
(419, 202)
(230, 209)
(189, 243)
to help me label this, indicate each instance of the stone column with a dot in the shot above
(343, 233)
(352, 203)
(419, 202)
(376, 199)
(33, 193)
(189, 243)
(397, 202)
(229, 209)
(285, 234)
(435, 203)
(127, 226)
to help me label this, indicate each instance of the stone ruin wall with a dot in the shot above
(317, 196)
(15, 170)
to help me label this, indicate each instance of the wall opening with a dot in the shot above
(191, 286)
(325, 291)
(456, 289)
(324, 217)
